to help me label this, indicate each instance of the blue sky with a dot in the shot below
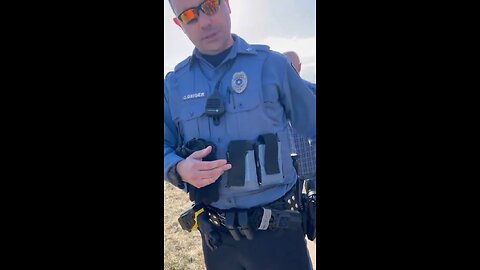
(289, 26)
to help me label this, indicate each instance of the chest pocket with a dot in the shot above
(190, 118)
(247, 100)
(244, 84)
(243, 108)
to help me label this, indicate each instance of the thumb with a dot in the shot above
(201, 153)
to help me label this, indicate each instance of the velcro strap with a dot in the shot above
(271, 153)
(267, 214)
(237, 150)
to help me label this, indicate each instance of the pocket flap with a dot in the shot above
(189, 110)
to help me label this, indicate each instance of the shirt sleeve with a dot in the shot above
(299, 103)
(311, 86)
(170, 136)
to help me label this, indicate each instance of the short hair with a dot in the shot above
(293, 59)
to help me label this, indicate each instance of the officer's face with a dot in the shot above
(209, 33)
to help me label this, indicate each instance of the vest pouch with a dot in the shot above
(209, 193)
(191, 120)
(269, 160)
(243, 174)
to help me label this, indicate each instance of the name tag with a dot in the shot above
(195, 95)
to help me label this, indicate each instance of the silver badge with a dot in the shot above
(239, 82)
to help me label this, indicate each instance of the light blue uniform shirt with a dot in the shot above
(268, 95)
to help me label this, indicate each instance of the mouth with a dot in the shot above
(209, 37)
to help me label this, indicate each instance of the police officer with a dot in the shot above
(239, 98)
(306, 149)
(297, 65)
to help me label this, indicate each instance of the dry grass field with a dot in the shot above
(183, 250)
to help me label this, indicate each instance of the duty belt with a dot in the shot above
(280, 214)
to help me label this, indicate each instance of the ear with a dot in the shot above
(299, 67)
(177, 22)
(228, 6)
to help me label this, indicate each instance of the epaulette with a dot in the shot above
(260, 47)
(182, 64)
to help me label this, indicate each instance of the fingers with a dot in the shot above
(205, 182)
(201, 173)
(210, 165)
(226, 167)
(213, 173)
(206, 177)
(201, 153)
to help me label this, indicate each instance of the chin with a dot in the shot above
(212, 48)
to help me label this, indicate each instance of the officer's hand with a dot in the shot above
(200, 173)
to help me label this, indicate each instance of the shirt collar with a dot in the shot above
(240, 46)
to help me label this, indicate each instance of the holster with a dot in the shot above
(211, 236)
(188, 219)
(207, 194)
(197, 218)
(309, 201)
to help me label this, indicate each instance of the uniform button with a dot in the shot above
(191, 113)
(240, 105)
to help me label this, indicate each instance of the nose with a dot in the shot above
(204, 21)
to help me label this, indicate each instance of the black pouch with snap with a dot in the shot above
(209, 193)
(243, 172)
(269, 159)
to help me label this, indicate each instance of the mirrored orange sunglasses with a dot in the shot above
(208, 7)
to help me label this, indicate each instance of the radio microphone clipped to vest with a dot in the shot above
(214, 106)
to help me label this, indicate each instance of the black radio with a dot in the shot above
(214, 106)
